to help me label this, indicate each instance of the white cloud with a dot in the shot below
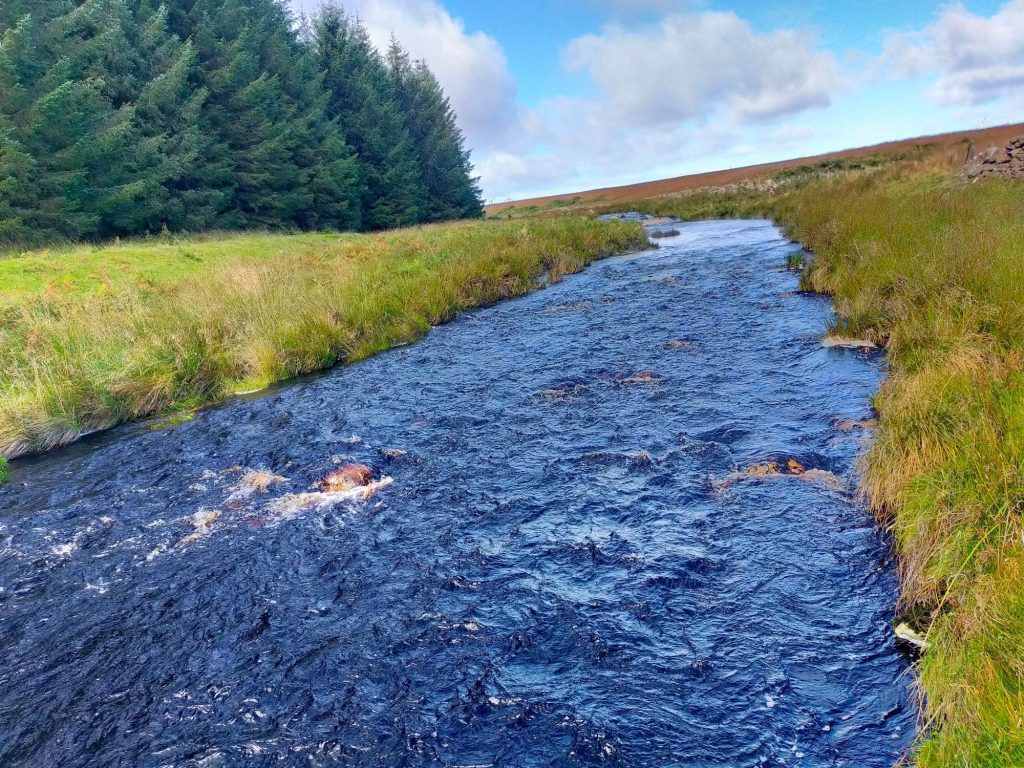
(471, 66)
(691, 65)
(978, 59)
(691, 86)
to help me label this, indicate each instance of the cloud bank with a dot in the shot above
(693, 65)
(977, 59)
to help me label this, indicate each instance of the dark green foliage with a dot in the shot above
(363, 99)
(449, 190)
(123, 117)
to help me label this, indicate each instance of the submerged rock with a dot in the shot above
(641, 377)
(565, 392)
(679, 344)
(788, 468)
(260, 480)
(296, 503)
(823, 478)
(346, 478)
(202, 523)
(849, 425)
(845, 343)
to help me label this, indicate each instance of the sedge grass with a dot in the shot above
(186, 332)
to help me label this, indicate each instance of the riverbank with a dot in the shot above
(931, 267)
(95, 336)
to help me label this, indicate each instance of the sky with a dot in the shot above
(558, 96)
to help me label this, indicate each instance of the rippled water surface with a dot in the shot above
(566, 570)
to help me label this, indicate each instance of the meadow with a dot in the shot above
(92, 336)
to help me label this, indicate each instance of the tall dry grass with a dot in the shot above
(77, 363)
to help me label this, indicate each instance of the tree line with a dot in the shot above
(123, 117)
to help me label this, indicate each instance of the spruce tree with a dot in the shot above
(363, 100)
(450, 191)
(122, 117)
(272, 156)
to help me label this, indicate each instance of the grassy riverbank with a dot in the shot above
(94, 336)
(933, 268)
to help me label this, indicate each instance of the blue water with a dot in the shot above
(566, 570)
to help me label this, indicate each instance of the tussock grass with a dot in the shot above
(933, 268)
(74, 359)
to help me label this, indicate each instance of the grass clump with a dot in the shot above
(933, 268)
(5, 471)
(252, 310)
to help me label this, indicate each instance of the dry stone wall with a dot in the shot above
(1007, 161)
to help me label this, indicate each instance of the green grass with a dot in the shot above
(91, 337)
(97, 270)
(933, 268)
(5, 471)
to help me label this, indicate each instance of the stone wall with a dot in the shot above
(1007, 161)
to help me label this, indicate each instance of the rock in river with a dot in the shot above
(347, 477)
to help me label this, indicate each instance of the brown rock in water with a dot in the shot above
(567, 392)
(347, 477)
(761, 470)
(260, 480)
(641, 377)
(823, 478)
(791, 467)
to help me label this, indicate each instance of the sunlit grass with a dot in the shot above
(248, 311)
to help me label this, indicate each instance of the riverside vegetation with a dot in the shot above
(185, 322)
(134, 118)
(931, 267)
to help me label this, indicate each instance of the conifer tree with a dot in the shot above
(273, 157)
(362, 98)
(121, 117)
(450, 191)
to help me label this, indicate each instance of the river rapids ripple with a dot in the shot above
(567, 568)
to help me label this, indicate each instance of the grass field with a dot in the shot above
(94, 336)
(96, 270)
(933, 268)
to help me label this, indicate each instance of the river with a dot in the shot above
(569, 566)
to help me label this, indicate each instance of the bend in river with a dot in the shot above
(569, 567)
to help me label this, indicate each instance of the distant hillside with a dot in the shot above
(981, 137)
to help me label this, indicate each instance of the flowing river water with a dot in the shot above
(568, 568)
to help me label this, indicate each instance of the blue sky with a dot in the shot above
(562, 95)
